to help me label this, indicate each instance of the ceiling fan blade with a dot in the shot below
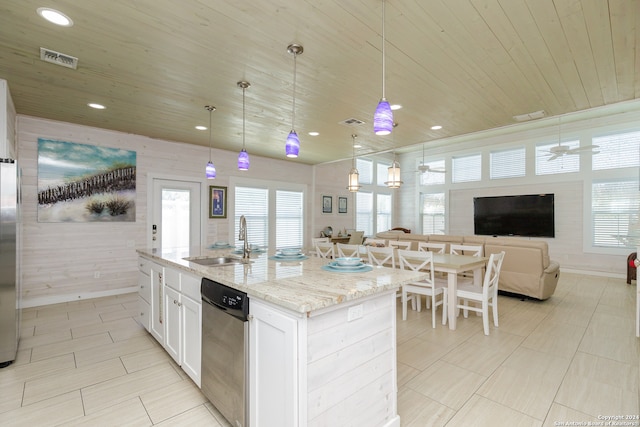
(555, 156)
(437, 170)
(583, 148)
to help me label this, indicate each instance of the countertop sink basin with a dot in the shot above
(216, 261)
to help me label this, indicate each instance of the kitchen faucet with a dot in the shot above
(246, 251)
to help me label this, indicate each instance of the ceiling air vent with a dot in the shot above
(48, 55)
(530, 116)
(351, 122)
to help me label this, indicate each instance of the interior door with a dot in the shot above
(176, 220)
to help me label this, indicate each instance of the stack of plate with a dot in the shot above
(289, 255)
(220, 245)
(347, 265)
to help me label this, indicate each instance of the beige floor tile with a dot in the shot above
(613, 342)
(558, 339)
(117, 390)
(169, 402)
(68, 346)
(481, 412)
(420, 354)
(155, 355)
(482, 359)
(83, 331)
(128, 333)
(405, 373)
(198, 416)
(23, 356)
(39, 340)
(417, 410)
(50, 412)
(128, 413)
(447, 384)
(26, 372)
(11, 396)
(59, 324)
(605, 371)
(559, 414)
(112, 350)
(120, 314)
(65, 381)
(217, 415)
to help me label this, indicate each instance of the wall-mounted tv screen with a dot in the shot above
(530, 215)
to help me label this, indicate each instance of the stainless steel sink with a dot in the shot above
(216, 261)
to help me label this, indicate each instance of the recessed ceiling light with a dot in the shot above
(55, 16)
(314, 133)
(200, 127)
(96, 106)
(396, 107)
(436, 127)
(357, 146)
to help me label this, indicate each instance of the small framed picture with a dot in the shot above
(342, 205)
(327, 204)
(217, 202)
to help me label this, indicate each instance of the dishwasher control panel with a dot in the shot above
(233, 301)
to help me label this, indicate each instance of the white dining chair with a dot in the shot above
(315, 240)
(381, 256)
(487, 296)
(471, 250)
(325, 250)
(356, 238)
(431, 287)
(348, 250)
(436, 248)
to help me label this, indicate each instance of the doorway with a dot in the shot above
(176, 221)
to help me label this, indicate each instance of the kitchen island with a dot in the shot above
(322, 344)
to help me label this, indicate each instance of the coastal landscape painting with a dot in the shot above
(85, 183)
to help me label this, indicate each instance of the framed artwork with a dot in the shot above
(217, 202)
(327, 204)
(342, 205)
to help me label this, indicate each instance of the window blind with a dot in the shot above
(364, 212)
(365, 171)
(433, 178)
(562, 164)
(617, 151)
(466, 168)
(289, 219)
(432, 213)
(383, 218)
(614, 208)
(507, 163)
(382, 173)
(253, 203)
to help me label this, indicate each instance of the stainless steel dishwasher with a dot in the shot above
(225, 344)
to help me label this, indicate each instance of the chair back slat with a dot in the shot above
(381, 256)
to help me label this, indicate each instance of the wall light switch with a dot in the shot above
(354, 313)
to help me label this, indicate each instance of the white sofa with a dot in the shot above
(526, 270)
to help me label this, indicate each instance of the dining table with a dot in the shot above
(453, 265)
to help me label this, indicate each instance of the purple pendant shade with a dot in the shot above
(383, 118)
(243, 160)
(210, 171)
(293, 144)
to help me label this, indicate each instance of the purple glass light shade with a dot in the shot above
(293, 144)
(211, 171)
(243, 160)
(383, 118)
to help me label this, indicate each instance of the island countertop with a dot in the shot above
(302, 286)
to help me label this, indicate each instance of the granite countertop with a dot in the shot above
(301, 286)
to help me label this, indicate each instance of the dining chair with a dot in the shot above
(400, 244)
(348, 250)
(431, 287)
(381, 256)
(471, 250)
(315, 240)
(325, 250)
(356, 238)
(487, 296)
(436, 248)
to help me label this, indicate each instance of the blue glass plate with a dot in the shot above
(360, 269)
(299, 257)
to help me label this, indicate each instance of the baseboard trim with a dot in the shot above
(59, 299)
(592, 273)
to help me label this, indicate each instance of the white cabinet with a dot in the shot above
(157, 302)
(173, 324)
(191, 322)
(273, 367)
(144, 293)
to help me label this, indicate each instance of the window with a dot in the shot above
(616, 151)
(289, 219)
(614, 208)
(466, 168)
(507, 163)
(383, 219)
(430, 177)
(432, 213)
(364, 212)
(253, 203)
(546, 165)
(382, 173)
(365, 170)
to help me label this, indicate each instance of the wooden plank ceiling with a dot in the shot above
(467, 65)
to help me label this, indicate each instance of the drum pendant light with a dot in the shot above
(354, 176)
(383, 117)
(243, 157)
(210, 170)
(292, 147)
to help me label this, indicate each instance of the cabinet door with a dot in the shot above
(192, 338)
(173, 324)
(157, 303)
(273, 367)
(145, 312)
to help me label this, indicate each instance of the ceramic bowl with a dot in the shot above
(221, 243)
(290, 252)
(348, 261)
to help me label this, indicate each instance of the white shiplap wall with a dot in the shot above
(60, 261)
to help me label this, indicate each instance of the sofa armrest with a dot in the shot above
(552, 268)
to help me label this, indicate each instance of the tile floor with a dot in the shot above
(571, 358)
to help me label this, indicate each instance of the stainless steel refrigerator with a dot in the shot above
(9, 303)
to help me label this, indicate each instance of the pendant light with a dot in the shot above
(243, 157)
(211, 169)
(383, 117)
(354, 185)
(293, 142)
(393, 172)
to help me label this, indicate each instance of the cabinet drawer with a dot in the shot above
(172, 278)
(191, 286)
(144, 316)
(144, 286)
(144, 266)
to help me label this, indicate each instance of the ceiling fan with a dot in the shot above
(423, 168)
(562, 150)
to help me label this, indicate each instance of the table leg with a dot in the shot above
(452, 282)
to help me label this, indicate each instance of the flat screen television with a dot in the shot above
(530, 215)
